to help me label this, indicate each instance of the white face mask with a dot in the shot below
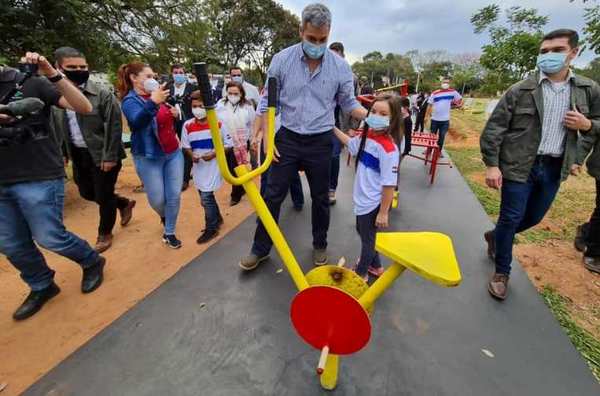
(151, 85)
(445, 85)
(199, 112)
(234, 99)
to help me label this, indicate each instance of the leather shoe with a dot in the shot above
(93, 276)
(592, 264)
(127, 213)
(103, 243)
(491, 242)
(498, 286)
(35, 301)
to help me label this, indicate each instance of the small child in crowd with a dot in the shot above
(377, 159)
(197, 142)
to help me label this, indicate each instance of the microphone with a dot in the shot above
(23, 107)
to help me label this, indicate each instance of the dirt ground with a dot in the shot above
(137, 264)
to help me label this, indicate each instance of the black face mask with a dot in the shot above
(79, 77)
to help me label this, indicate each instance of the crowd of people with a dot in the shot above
(542, 130)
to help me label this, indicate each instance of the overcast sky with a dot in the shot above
(401, 25)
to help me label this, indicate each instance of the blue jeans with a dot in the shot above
(162, 178)
(523, 205)
(33, 211)
(441, 128)
(211, 210)
(335, 163)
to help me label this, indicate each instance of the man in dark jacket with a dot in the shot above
(179, 93)
(93, 143)
(588, 234)
(530, 143)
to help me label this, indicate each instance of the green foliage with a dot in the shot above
(375, 66)
(513, 46)
(592, 28)
(160, 32)
(591, 71)
(586, 344)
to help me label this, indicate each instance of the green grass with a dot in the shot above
(585, 342)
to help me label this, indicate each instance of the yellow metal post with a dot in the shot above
(273, 230)
(381, 285)
(330, 375)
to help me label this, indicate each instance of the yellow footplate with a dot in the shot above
(429, 254)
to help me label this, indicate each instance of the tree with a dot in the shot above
(43, 26)
(514, 45)
(591, 71)
(376, 66)
(281, 31)
(160, 32)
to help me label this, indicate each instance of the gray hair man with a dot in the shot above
(312, 80)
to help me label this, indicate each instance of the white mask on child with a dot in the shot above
(234, 99)
(199, 112)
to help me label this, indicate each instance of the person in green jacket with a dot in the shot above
(588, 234)
(93, 144)
(530, 143)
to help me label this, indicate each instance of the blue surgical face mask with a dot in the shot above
(314, 51)
(378, 122)
(237, 79)
(179, 78)
(551, 62)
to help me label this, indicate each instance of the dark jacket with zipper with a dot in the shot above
(101, 129)
(512, 135)
(586, 144)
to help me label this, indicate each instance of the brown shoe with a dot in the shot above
(127, 213)
(251, 261)
(103, 243)
(592, 264)
(498, 286)
(491, 242)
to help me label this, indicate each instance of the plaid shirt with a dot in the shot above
(557, 98)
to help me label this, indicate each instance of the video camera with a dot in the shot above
(25, 122)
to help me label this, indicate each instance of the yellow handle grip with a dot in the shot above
(215, 132)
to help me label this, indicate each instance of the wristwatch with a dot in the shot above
(56, 78)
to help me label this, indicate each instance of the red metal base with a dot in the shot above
(327, 316)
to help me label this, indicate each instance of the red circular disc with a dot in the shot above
(328, 316)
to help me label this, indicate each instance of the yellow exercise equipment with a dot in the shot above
(331, 311)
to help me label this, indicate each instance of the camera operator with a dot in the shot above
(179, 97)
(32, 186)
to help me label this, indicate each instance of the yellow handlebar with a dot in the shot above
(215, 132)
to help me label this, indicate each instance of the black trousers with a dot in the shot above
(420, 121)
(237, 192)
(98, 186)
(311, 153)
(365, 226)
(187, 161)
(593, 234)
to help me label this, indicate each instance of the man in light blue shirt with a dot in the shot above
(312, 80)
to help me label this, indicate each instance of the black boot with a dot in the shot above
(206, 236)
(35, 301)
(93, 276)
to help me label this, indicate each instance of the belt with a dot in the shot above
(548, 159)
(307, 136)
